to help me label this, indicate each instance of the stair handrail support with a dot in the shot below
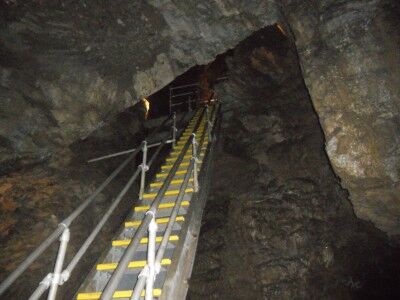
(143, 227)
(144, 168)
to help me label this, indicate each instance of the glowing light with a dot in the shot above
(280, 27)
(146, 104)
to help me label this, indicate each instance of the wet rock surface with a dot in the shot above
(277, 224)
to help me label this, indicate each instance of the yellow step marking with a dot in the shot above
(132, 265)
(191, 127)
(188, 132)
(145, 240)
(151, 196)
(117, 295)
(189, 151)
(162, 175)
(169, 166)
(173, 159)
(161, 206)
(177, 147)
(158, 221)
(173, 182)
(184, 142)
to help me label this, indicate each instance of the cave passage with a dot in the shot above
(302, 202)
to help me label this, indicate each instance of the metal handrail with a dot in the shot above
(53, 280)
(61, 227)
(115, 278)
(134, 149)
(161, 250)
(148, 146)
(191, 91)
(146, 275)
(175, 284)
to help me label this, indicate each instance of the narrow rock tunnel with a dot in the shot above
(303, 201)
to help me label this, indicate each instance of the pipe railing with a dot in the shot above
(187, 94)
(59, 277)
(149, 273)
(123, 263)
(183, 95)
(173, 128)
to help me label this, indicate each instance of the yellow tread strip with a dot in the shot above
(189, 133)
(145, 240)
(117, 295)
(176, 153)
(162, 175)
(173, 159)
(173, 182)
(132, 264)
(158, 221)
(161, 206)
(177, 147)
(167, 193)
(169, 166)
(184, 142)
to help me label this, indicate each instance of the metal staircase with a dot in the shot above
(152, 255)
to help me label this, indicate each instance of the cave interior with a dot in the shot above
(290, 212)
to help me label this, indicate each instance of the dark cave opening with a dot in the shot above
(276, 211)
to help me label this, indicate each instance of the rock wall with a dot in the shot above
(68, 66)
(350, 53)
(277, 224)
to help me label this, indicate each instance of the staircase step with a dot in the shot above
(167, 205)
(186, 157)
(152, 196)
(145, 240)
(129, 224)
(132, 264)
(189, 151)
(169, 166)
(117, 295)
(93, 286)
(177, 147)
(164, 175)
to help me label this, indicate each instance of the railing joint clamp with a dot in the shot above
(144, 168)
(150, 212)
(145, 272)
(64, 276)
(47, 280)
(157, 268)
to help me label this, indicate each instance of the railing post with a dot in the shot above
(151, 256)
(57, 279)
(194, 157)
(174, 129)
(208, 124)
(189, 103)
(170, 100)
(144, 168)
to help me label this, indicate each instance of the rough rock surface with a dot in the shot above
(350, 53)
(277, 224)
(67, 66)
(34, 201)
